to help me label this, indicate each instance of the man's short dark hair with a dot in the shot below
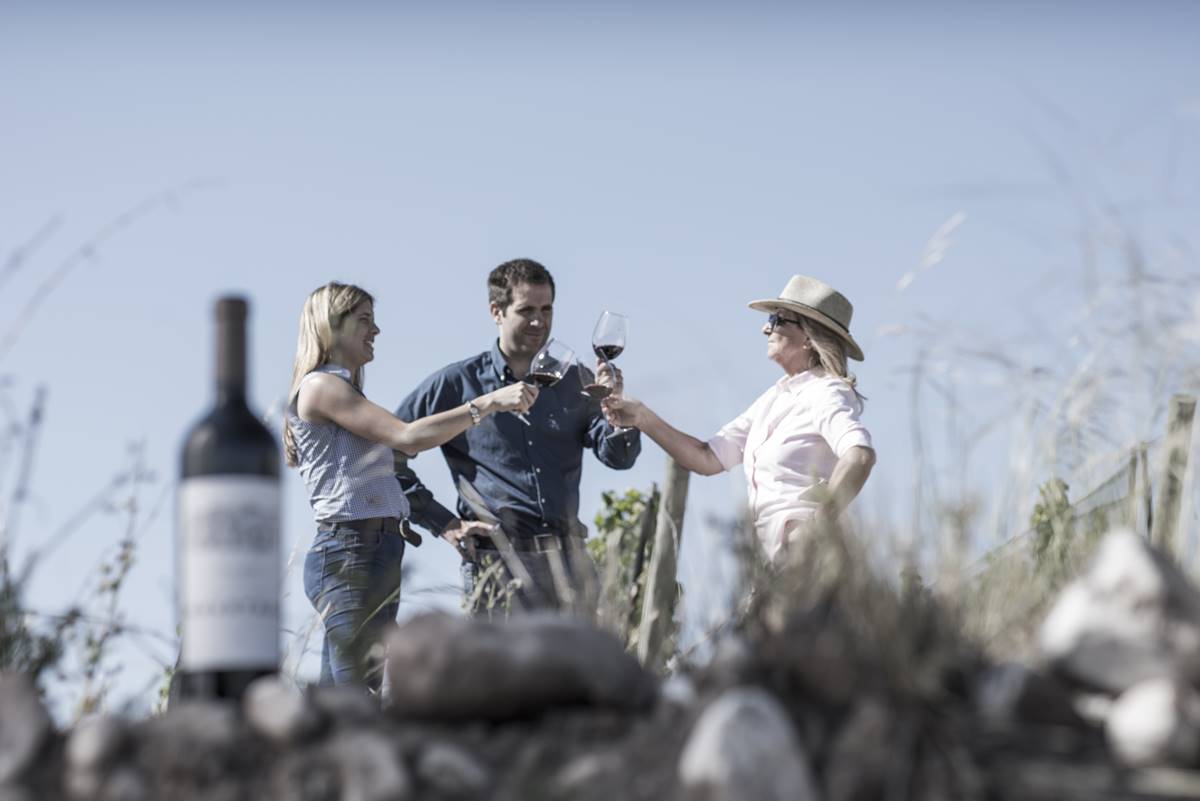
(518, 271)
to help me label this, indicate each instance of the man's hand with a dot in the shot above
(608, 375)
(461, 535)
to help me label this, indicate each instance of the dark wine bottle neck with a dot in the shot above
(231, 350)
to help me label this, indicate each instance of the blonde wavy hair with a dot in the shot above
(324, 311)
(829, 352)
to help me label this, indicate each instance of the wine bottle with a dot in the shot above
(227, 548)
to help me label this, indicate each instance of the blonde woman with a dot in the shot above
(343, 445)
(802, 444)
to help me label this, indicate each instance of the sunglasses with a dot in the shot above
(775, 320)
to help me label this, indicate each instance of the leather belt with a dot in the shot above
(384, 525)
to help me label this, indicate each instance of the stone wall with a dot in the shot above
(849, 692)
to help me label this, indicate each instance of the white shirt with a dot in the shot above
(787, 441)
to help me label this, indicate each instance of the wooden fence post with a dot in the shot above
(1178, 441)
(658, 609)
(1145, 497)
(645, 529)
(1139, 512)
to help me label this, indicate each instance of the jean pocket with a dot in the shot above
(314, 573)
(324, 538)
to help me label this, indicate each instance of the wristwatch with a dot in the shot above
(473, 410)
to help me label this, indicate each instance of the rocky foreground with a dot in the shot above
(831, 686)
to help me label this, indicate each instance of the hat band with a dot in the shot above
(824, 317)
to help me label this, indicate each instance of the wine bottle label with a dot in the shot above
(229, 572)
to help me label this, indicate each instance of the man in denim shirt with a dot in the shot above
(527, 475)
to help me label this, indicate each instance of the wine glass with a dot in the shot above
(608, 341)
(550, 363)
(548, 367)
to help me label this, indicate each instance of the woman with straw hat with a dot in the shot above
(802, 444)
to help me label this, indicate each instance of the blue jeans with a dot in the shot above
(353, 581)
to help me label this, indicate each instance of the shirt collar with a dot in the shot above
(335, 369)
(500, 364)
(796, 383)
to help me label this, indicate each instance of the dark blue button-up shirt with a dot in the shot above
(527, 474)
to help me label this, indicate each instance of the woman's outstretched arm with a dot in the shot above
(327, 398)
(690, 452)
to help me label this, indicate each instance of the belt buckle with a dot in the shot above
(551, 540)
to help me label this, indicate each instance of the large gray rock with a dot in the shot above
(862, 753)
(279, 711)
(195, 725)
(1012, 693)
(197, 750)
(344, 703)
(92, 749)
(679, 690)
(449, 668)
(124, 784)
(95, 742)
(1156, 722)
(1132, 616)
(24, 726)
(450, 770)
(350, 765)
(744, 748)
(584, 773)
(370, 769)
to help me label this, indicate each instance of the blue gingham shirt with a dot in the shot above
(348, 477)
(527, 475)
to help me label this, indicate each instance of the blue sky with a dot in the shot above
(671, 162)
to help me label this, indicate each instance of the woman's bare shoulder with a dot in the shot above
(318, 391)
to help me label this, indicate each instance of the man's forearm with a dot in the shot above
(424, 510)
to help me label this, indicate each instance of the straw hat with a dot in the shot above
(817, 301)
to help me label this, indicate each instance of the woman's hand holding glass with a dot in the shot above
(609, 377)
(516, 398)
(624, 412)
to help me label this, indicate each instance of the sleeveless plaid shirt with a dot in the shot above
(348, 477)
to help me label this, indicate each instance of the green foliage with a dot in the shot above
(621, 550)
(1061, 537)
(25, 648)
(1052, 525)
(494, 590)
(99, 634)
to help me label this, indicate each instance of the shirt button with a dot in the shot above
(531, 443)
(537, 469)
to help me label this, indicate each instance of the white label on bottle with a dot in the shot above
(229, 572)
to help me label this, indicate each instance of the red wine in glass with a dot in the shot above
(548, 367)
(542, 379)
(596, 391)
(608, 342)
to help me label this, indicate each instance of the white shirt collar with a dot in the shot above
(796, 383)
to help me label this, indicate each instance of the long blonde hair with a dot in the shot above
(323, 314)
(829, 352)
